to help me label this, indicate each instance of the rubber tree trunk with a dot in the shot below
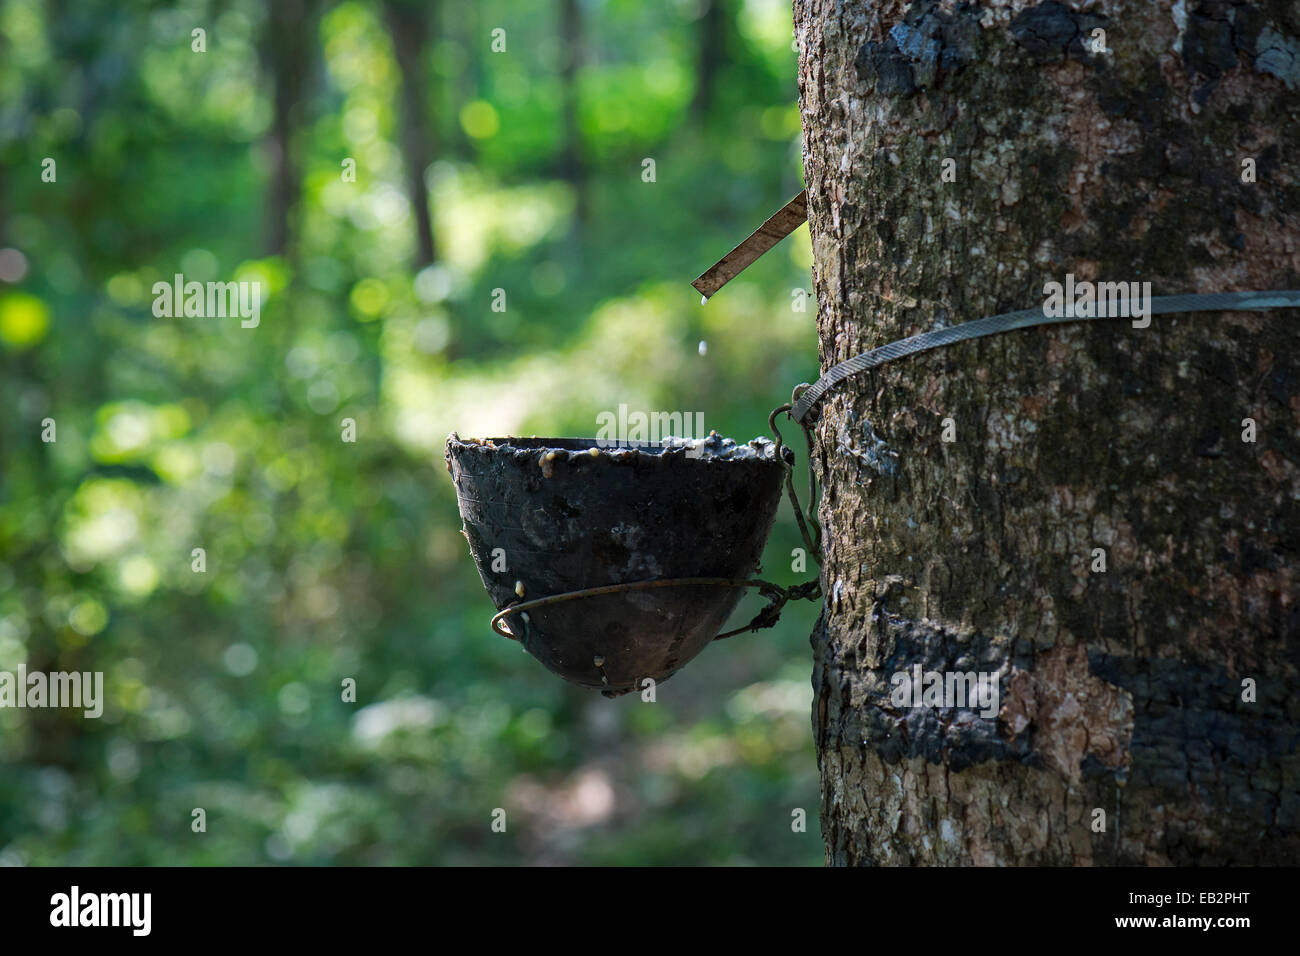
(1124, 690)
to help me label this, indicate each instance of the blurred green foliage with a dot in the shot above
(328, 560)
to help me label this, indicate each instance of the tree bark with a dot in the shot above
(1118, 690)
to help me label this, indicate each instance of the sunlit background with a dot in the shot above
(328, 560)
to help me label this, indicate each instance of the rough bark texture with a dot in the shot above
(1119, 690)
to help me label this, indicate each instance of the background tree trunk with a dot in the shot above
(711, 53)
(1119, 690)
(287, 55)
(572, 166)
(409, 26)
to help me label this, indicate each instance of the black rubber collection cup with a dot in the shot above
(548, 516)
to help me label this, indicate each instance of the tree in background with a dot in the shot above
(571, 164)
(409, 25)
(288, 54)
(711, 52)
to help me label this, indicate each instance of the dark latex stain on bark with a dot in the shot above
(1192, 729)
(1187, 159)
(955, 737)
(1192, 718)
(920, 50)
(1209, 47)
(1050, 31)
(1218, 32)
(884, 67)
